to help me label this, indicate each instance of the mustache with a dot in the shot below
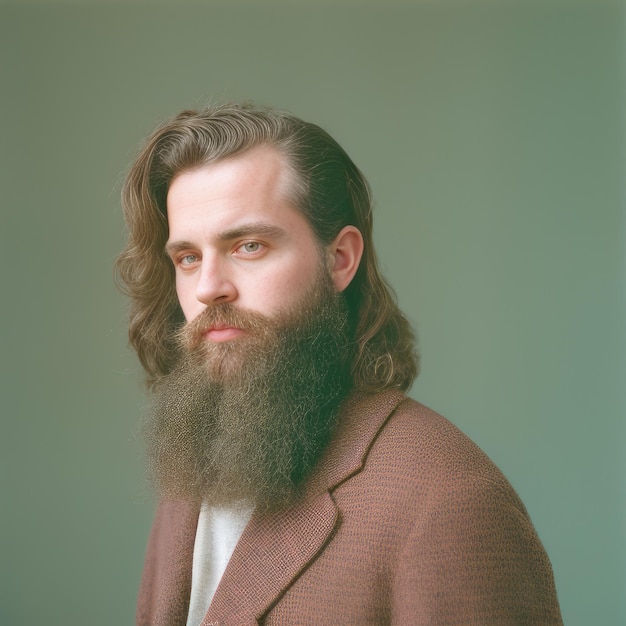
(191, 335)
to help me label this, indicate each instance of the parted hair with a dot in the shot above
(326, 186)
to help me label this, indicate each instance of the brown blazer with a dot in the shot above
(405, 521)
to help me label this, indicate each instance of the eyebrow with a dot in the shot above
(254, 228)
(245, 230)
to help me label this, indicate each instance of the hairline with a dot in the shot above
(296, 190)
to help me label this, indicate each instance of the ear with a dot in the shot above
(345, 254)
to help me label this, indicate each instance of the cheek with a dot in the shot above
(270, 293)
(292, 284)
(186, 300)
(181, 293)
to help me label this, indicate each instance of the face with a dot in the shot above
(235, 238)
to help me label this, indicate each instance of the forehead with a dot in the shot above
(255, 186)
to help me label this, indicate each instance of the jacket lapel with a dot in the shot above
(274, 549)
(270, 554)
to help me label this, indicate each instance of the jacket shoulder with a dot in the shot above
(461, 544)
(418, 441)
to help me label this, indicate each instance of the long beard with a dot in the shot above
(248, 420)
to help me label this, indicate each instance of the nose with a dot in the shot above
(214, 283)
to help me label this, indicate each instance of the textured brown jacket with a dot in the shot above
(405, 522)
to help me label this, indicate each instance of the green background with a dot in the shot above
(492, 135)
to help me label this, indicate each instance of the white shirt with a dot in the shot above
(218, 532)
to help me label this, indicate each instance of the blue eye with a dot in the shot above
(188, 259)
(251, 248)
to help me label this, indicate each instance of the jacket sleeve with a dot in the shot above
(163, 598)
(474, 558)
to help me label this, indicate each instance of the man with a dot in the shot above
(297, 483)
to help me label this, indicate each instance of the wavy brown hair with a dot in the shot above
(327, 187)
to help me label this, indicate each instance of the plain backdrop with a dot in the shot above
(492, 135)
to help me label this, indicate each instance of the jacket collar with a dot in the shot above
(274, 549)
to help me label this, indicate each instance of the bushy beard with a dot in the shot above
(247, 420)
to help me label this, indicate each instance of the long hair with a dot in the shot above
(327, 187)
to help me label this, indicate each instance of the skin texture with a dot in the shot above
(235, 237)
